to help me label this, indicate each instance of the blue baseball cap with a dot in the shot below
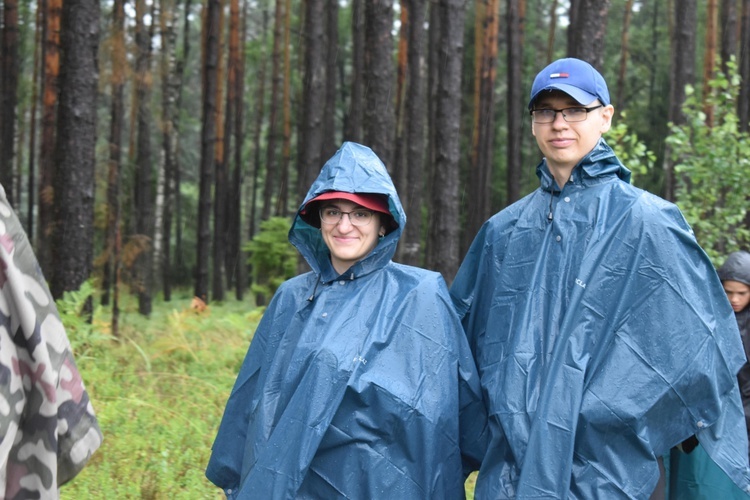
(576, 78)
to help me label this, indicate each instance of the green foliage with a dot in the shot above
(159, 393)
(273, 259)
(82, 333)
(630, 149)
(712, 163)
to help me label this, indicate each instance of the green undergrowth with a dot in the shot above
(159, 392)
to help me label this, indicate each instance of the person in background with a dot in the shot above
(598, 325)
(692, 473)
(48, 430)
(358, 382)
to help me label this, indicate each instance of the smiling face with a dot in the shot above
(347, 243)
(737, 293)
(565, 144)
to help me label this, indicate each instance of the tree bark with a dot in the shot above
(624, 51)
(76, 142)
(355, 117)
(709, 58)
(8, 95)
(743, 101)
(728, 27)
(117, 117)
(586, 31)
(144, 198)
(332, 53)
(37, 70)
(379, 111)
(221, 176)
(269, 189)
(257, 132)
(208, 143)
(282, 205)
(47, 163)
(681, 73)
(444, 225)
(486, 35)
(414, 137)
(516, 102)
(552, 31)
(311, 145)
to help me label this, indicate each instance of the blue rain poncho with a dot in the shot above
(603, 338)
(359, 385)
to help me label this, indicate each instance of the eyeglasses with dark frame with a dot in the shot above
(570, 115)
(358, 217)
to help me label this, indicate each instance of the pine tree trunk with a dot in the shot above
(681, 73)
(208, 142)
(743, 102)
(276, 81)
(353, 131)
(414, 137)
(258, 128)
(144, 198)
(282, 205)
(117, 116)
(379, 114)
(31, 186)
(76, 144)
(443, 253)
(486, 33)
(47, 164)
(552, 31)
(332, 54)
(516, 101)
(709, 58)
(728, 27)
(311, 146)
(624, 52)
(8, 96)
(221, 178)
(586, 31)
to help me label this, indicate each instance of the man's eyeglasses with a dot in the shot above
(359, 217)
(570, 115)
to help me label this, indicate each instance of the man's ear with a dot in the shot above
(607, 113)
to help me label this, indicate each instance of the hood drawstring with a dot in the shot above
(549, 215)
(315, 289)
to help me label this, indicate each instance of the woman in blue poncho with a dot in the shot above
(359, 382)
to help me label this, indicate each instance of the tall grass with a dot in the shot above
(159, 393)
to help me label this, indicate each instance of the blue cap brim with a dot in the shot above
(581, 96)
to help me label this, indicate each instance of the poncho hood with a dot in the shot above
(736, 268)
(353, 169)
(599, 163)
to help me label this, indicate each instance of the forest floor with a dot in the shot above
(159, 392)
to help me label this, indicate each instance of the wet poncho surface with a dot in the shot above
(603, 337)
(359, 385)
(48, 430)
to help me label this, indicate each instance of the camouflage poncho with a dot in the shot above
(48, 430)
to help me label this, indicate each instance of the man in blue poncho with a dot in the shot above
(359, 382)
(601, 332)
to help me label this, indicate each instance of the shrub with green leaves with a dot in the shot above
(712, 164)
(272, 258)
(630, 149)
